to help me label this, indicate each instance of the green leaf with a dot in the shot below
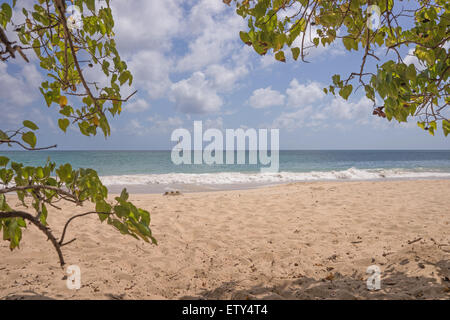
(348, 43)
(31, 125)
(105, 66)
(90, 4)
(63, 124)
(295, 53)
(126, 75)
(3, 136)
(7, 11)
(39, 173)
(66, 111)
(44, 215)
(121, 211)
(65, 172)
(346, 91)
(105, 208)
(124, 195)
(411, 72)
(446, 127)
(336, 79)
(280, 56)
(29, 138)
(3, 205)
(432, 127)
(245, 38)
(3, 161)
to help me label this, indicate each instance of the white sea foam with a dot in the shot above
(227, 178)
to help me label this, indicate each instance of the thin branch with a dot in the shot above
(37, 223)
(70, 220)
(25, 147)
(60, 8)
(40, 187)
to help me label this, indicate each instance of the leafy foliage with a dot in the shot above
(406, 90)
(64, 52)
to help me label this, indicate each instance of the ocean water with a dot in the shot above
(153, 171)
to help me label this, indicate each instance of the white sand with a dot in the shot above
(304, 240)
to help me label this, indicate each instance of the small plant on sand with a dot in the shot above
(67, 38)
(404, 44)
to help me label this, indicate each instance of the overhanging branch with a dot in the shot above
(40, 226)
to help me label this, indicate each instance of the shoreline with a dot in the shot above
(291, 241)
(152, 189)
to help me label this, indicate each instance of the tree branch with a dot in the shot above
(37, 223)
(25, 147)
(39, 187)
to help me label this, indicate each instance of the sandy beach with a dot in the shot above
(294, 241)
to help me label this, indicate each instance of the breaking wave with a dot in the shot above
(227, 178)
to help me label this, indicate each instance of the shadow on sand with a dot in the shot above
(26, 295)
(394, 285)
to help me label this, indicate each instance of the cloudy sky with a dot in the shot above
(189, 64)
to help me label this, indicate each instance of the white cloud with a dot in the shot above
(224, 79)
(299, 95)
(138, 105)
(21, 88)
(195, 95)
(146, 24)
(213, 32)
(151, 36)
(315, 109)
(266, 97)
(43, 119)
(412, 59)
(145, 34)
(360, 111)
(340, 112)
(152, 125)
(292, 120)
(213, 124)
(267, 60)
(151, 71)
(164, 125)
(135, 125)
(32, 76)
(17, 91)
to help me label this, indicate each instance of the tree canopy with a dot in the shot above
(381, 30)
(68, 38)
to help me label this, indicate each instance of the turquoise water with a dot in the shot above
(156, 168)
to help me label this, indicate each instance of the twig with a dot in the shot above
(38, 187)
(70, 220)
(414, 241)
(25, 147)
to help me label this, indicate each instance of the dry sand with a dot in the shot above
(296, 241)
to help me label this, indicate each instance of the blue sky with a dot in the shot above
(189, 64)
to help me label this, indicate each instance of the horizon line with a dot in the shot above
(161, 150)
